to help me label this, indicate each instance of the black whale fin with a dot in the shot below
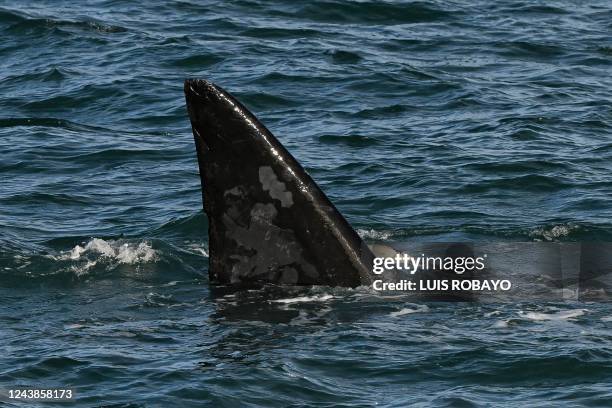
(268, 220)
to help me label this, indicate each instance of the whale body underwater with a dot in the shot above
(269, 222)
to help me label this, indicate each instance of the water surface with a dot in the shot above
(425, 121)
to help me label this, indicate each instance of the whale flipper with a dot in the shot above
(268, 220)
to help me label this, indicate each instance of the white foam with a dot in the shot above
(305, 299)
(606, 319)
(555, 232)
(100, 246)
(198, 249)
(73, 326)
(373, 234)
(407, 310)
(123, 252)
(128, 255)
(76, 252)
(98, 249)
(500, 324)
(561, 315)
(83, 269)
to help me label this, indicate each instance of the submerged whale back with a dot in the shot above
(269, 222)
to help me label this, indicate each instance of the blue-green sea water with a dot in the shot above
(426, 120)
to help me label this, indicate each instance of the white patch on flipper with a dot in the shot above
(276, 188)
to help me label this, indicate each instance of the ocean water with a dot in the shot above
(422, 121)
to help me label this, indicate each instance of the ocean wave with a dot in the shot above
(119, 154)
(111, 253)
(197, 248)
(375, 234)
(535, 9)
(547, 232)
(46, 74)
(264, 100)
(344, 57)
(193, 227)
(22, 22)
(522, 49)
(10, 16)
(84, 95)
(353, 140)
(410, 310)
(555, 315)
(529, 182)
(36, 197)
(554, 232)
(384, 111)
(305, 299)
(368, 12)
(95, 258)
(39, 121)
(279, 32)
(198, 61)
(517, 166)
